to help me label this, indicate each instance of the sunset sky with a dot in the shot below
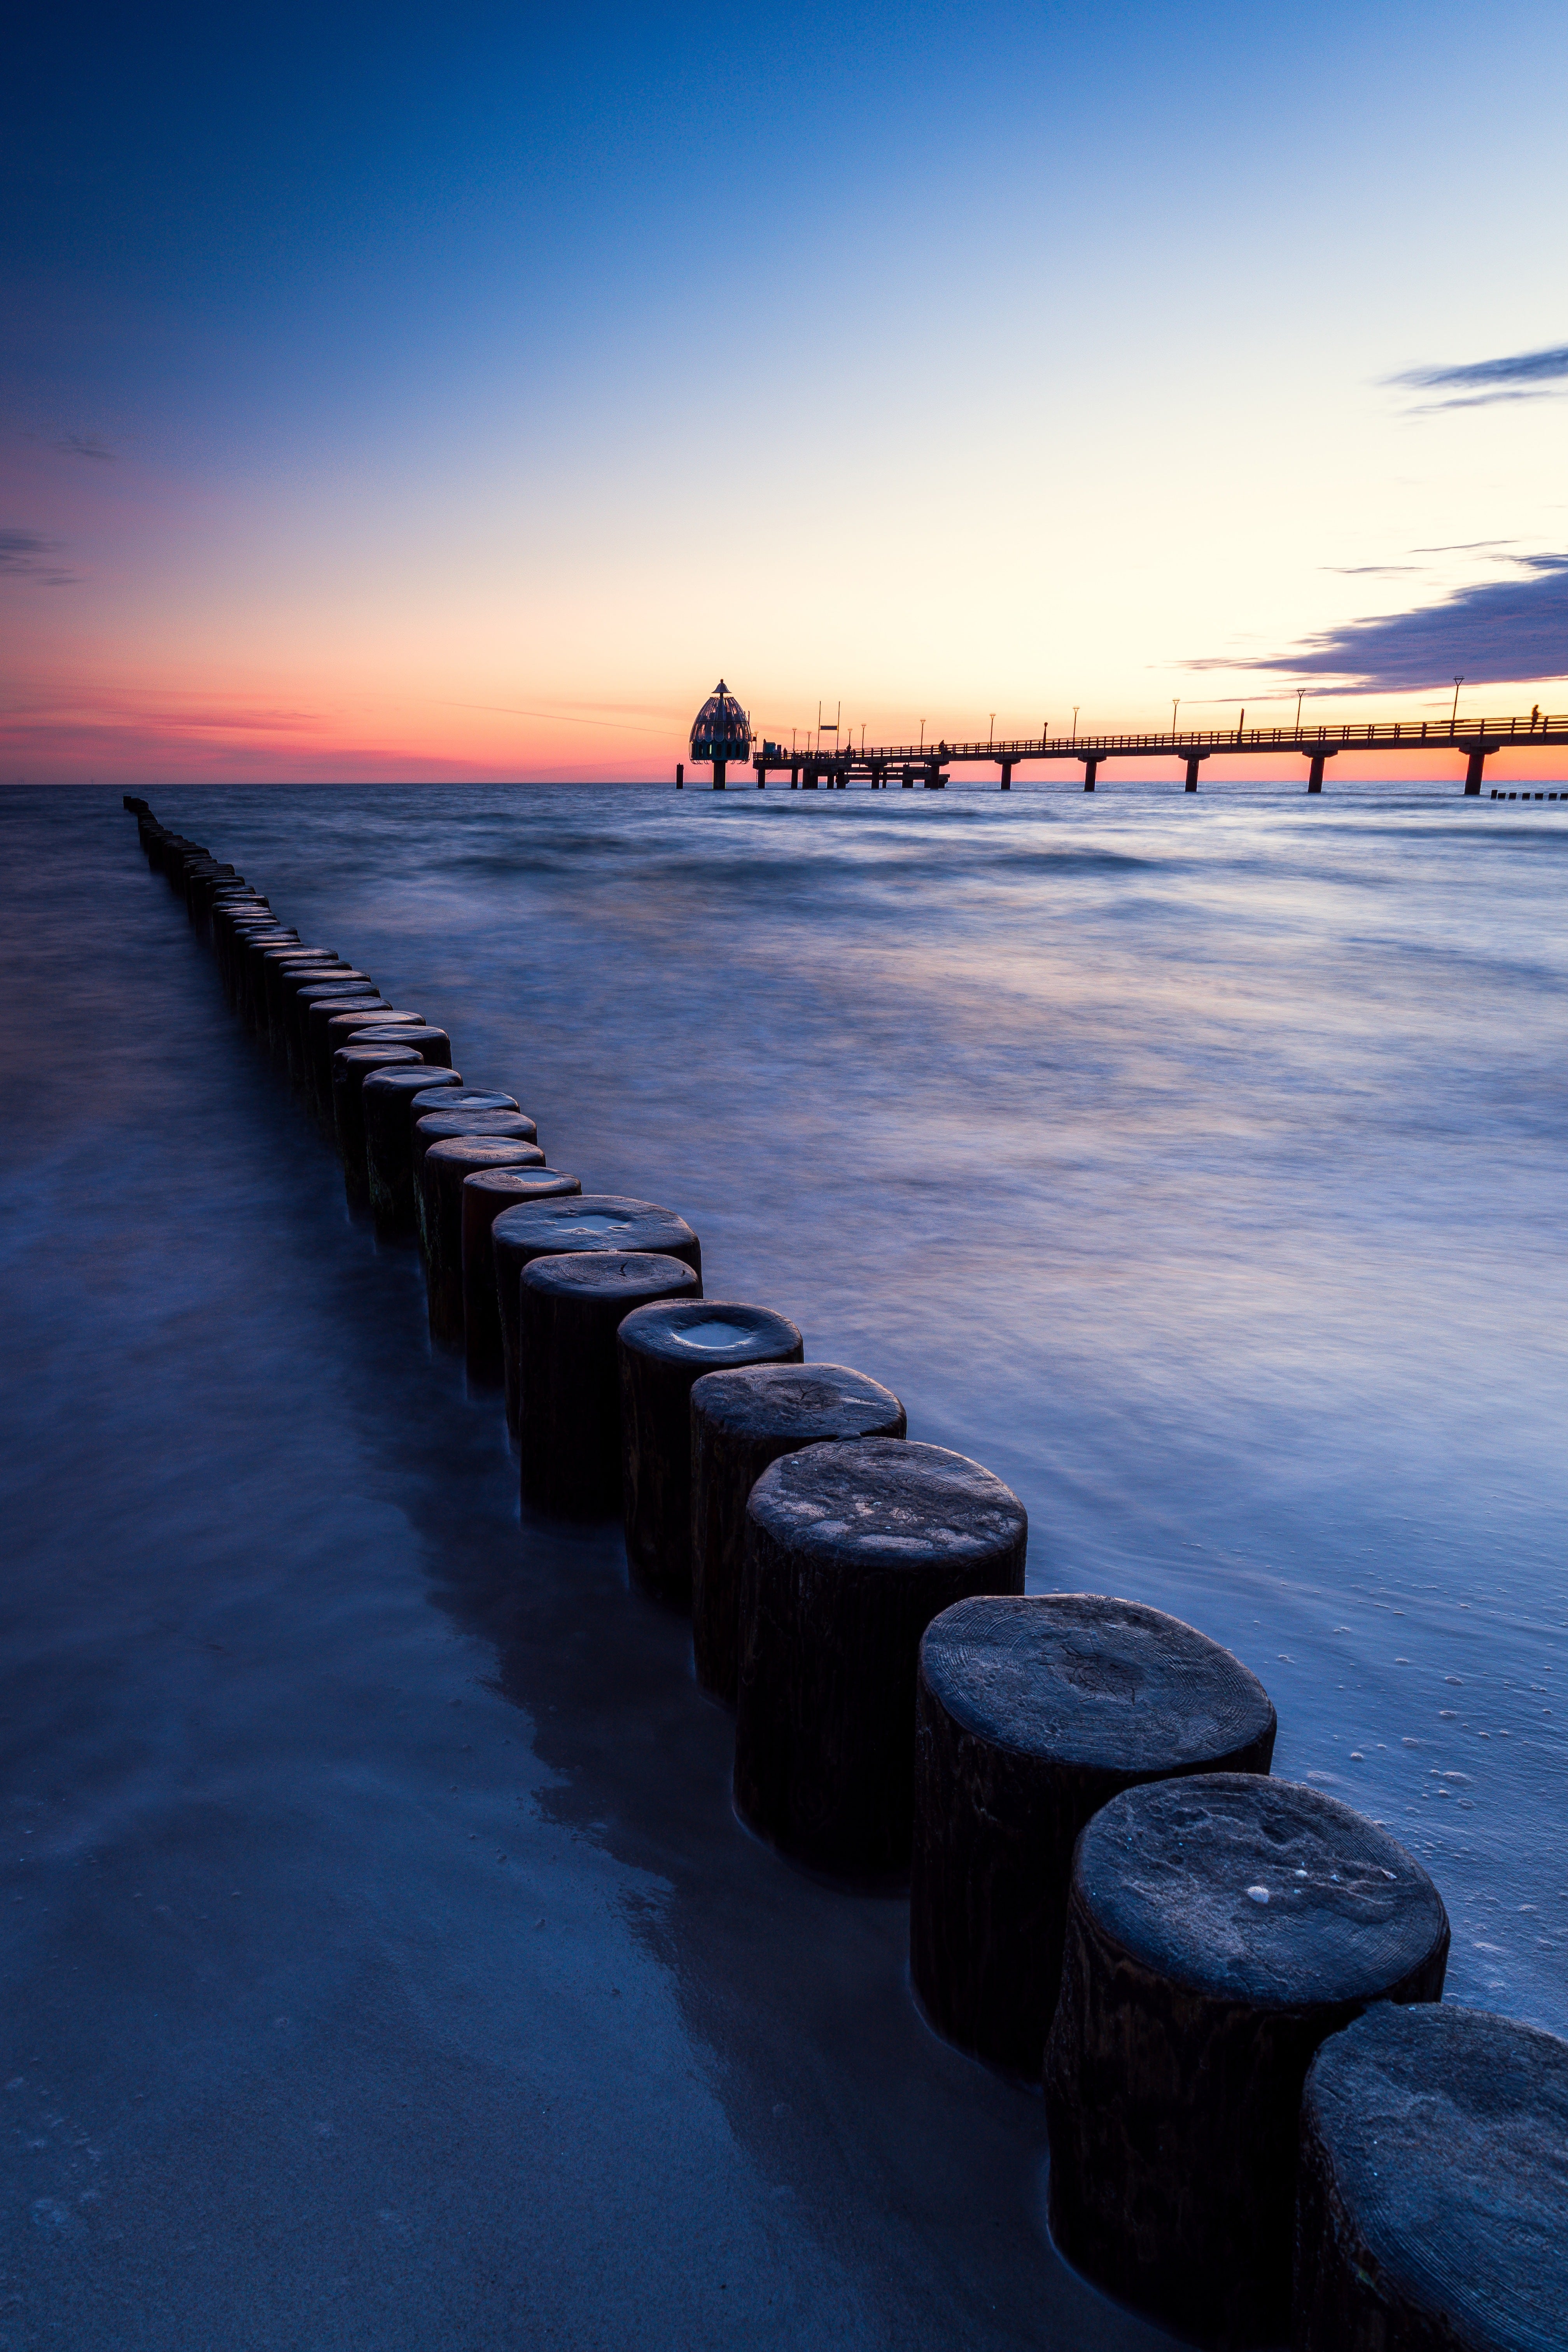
(456, 393)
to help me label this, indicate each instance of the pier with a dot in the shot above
(927, 765)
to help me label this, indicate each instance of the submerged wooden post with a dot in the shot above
(1031, 1715)
(384, 1099)
(548, 1228)
(441, 1175)
(740, 1422)
(1218, 1929)
(351, 1064)
(487, 1193)
(1432, 2185)
(664, 1351)
(571, 1307)
(851, 1550)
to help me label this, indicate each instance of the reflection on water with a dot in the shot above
(1196, 1165)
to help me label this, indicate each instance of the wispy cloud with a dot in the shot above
(85, 444)
(1476, 383)
(1500, 632)
(27, 555)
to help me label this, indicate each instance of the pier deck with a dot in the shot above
(908, 765)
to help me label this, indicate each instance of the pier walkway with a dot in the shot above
(908, 765)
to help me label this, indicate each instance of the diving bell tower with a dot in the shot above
(720, 732)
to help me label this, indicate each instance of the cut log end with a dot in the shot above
(1433, 2186)
(665, 1351)
(571, 1307)
(1032, 1714)
(741, 1420)
(851, 1550)
(1219, 1929)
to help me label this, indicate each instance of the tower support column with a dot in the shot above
(1090, 770)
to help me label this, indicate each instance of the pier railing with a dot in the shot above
(1383, 734)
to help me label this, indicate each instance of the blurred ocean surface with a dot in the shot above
(1197, 1165)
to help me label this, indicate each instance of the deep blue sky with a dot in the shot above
(543, 359)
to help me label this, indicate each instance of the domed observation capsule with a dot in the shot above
(720, 732)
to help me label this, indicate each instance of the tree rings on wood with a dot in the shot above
(851, 1550)
(664, 1351)
(593, 1220)
(741, 1420)
(384, 1100)
(441, 1175)
(487, 1193)
(1030, 1715)
(1218, 1929)
(1433, 2186)
(570, 1308)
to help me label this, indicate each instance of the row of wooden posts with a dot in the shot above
(1229, 1987)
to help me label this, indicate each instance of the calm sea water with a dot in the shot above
(1195, 1164)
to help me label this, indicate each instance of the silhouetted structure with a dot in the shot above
(910, 764)
(720, 732)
